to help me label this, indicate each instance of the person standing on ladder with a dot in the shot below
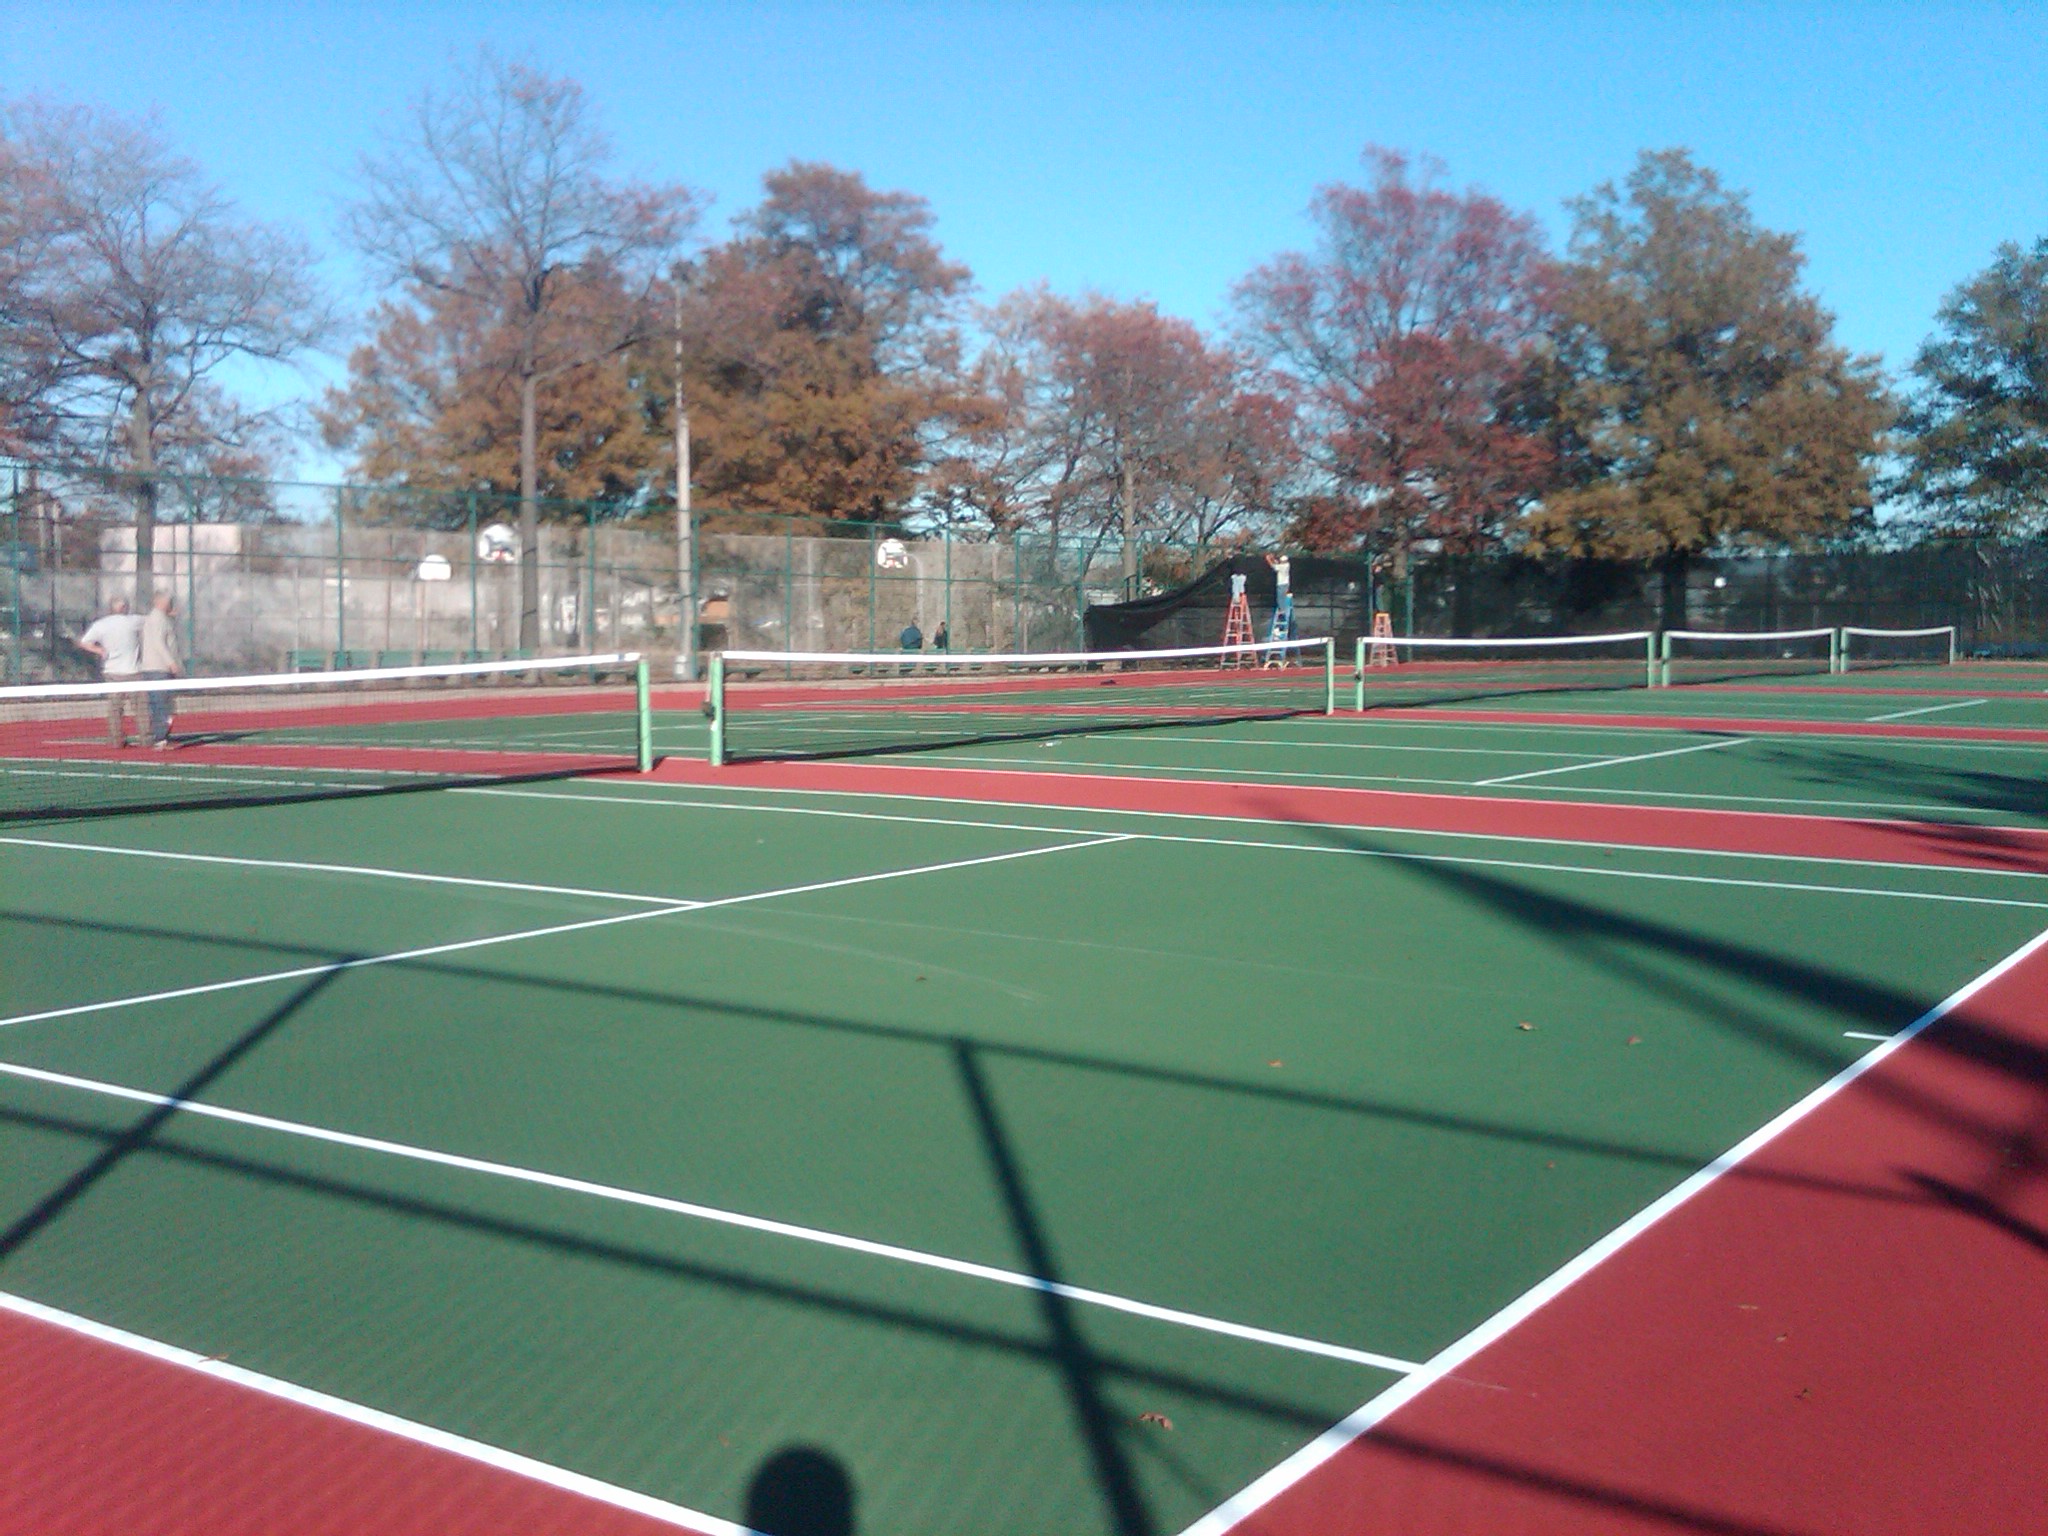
(1283, 607)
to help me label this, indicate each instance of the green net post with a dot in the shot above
(714, 707)
(1329, 677)
(1358, 678)
(1650, 659)
(1838, 653)
(643, 711)
(1954, 635)
(1661, 674)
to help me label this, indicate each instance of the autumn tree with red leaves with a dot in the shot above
(822, 352)
(1404, 339)
(1120, 421)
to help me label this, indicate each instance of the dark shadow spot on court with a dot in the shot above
(801, 1491)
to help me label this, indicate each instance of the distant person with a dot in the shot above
(1283, 596)
(940, 640)
(912, 638)
(116, 639)
(160, 663)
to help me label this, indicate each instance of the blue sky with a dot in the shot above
(1154, 151)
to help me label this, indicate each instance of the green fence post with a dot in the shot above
(340, 579)
(471, 498)
(1358, 675)
(589, 624)
(643, 709)
(191, 570)
(714, 706)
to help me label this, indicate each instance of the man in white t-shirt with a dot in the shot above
(160, 662)
(116, 639)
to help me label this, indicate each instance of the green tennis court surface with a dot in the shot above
(1289, 1108)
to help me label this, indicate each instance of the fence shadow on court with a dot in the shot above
(1894, 784)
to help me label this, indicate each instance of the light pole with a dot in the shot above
(686, 533)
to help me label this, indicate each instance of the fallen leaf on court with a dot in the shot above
(1276, 1063)
(920, 978)
(1156, 1418)
(1781, 1338)
(1635, 1039)
(1525, 1024)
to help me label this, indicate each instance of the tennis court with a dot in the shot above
(1585, 1107)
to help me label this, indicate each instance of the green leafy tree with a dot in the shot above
(1699, 398)
(1976, 433)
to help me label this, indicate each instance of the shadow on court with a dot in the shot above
(801, 1491)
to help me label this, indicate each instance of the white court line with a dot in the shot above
(1612, 762)
(820, 1236)
(1324, 1446)
(426, 951)
(665, 802)
(369, 871)
(377, 1419)
(1931, 709)
(1358, 746)
(1862, 1034)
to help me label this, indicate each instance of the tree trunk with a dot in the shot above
(1128, 505)
(1676, 568)
(529, 515)
(142, 452)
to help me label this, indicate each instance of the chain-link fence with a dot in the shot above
(274, 575)
(1995, 592)
(269, 575)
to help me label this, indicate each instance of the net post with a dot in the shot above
(1650, 659)
(643, 712)
(714, 706)
(1838, 652)
(1661, 672)
(1329, 675)
(1954, 634)
(1358, 679)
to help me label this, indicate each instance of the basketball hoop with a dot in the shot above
(892, 554)
(497, 544)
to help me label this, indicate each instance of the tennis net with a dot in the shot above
(1864, 649)
(86, 749)
(1718, 656)
(766, 705)
(1406, 671)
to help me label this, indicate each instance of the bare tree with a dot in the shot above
(135, 285)
(496, 193)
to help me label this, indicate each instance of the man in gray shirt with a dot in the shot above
(116, 639)
(160, 660)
